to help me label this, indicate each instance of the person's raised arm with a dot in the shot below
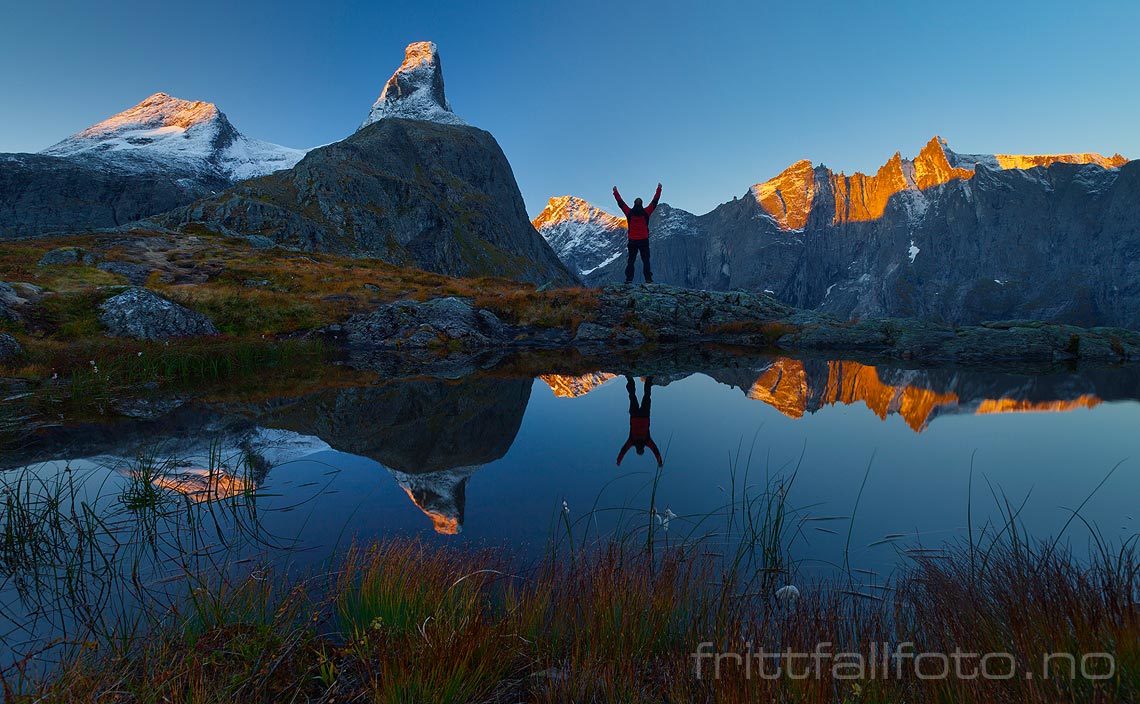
(624, 449)
(653, 203)
(620, 202)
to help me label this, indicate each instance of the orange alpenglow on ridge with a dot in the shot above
(860, 197)
(572, 208)
(1029, 161)
(417, 54)
(932, 168)
(575, 386)
(788, 198)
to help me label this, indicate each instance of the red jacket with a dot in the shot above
(638, 225)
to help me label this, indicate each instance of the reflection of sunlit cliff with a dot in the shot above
(1012, 405)
(787, 386)
(788, 197)
(851, 382)
(574, 386)
(784, 387)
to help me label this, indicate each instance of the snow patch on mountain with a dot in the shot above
(415, 90)
(170, 134)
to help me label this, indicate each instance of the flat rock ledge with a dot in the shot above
(629, 317)
(144, 315)
(440, 322)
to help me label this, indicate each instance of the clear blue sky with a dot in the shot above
(706, 97)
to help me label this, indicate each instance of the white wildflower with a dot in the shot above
(788, 593)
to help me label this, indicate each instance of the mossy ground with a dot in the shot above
(258, 299)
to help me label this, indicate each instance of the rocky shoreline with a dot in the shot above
(631, 317)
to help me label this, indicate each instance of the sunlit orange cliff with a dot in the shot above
(788, 197)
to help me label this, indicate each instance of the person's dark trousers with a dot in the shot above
(636, 246)
(640, 410)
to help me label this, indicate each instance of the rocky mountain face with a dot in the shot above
(427, 192)
(158, 155)
(948, 237)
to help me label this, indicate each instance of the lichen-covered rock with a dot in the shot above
(412, 325)
(676, 314)
(9, 299)
(10, 349)
(145, 315)
(137, 274)
(66, 255)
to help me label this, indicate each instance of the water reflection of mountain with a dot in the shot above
(432, 435)
(799, 387)
(918, 396)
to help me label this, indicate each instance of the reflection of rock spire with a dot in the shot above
(440, 495)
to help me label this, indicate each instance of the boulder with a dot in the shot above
(412, 324)
(137, 274)
(592, 333)
(9, 348)
(63, 256)
(145, 315)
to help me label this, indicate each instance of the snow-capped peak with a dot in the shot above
(583, 236)
(415, 90)
(164, 132)
(574, 209)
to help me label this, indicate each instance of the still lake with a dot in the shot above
(489, 459)
(875, 464)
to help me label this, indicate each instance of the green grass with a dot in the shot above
(407, 622)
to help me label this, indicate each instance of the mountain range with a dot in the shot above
(945, 236)
(956, 238)
(414, 186)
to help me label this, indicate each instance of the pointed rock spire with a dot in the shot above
(415, 90)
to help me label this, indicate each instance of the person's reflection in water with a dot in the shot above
(639, 421)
